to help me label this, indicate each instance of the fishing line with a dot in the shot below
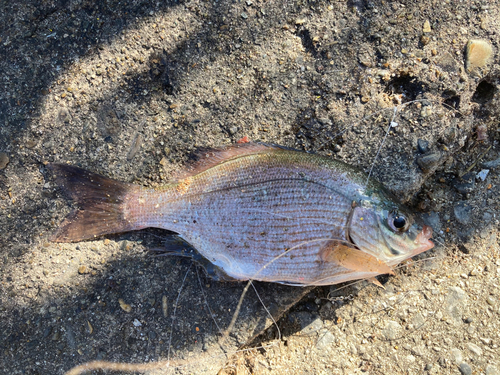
(174, 313)
(206, 301)
(381, 145)
(268, 313)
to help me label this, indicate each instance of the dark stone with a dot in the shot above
(465, 184)
(47, 332)
(423, 146)
(428, 161)
(463, 212)
(465, 369)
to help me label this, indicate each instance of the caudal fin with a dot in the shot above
(100, 200)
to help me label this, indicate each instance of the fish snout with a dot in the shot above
(423, 241)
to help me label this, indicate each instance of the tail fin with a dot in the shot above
(100, 202)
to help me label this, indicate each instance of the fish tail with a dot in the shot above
(102, 204)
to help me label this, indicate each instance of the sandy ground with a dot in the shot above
(130, 89)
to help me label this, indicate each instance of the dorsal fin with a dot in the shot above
(208, 158)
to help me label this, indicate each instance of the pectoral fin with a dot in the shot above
(353, 259)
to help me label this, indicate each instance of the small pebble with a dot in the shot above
(135, 146)
(475, 349)
(47, 332)
(477, 54)
(125, 307)
(428, 161)
(492, 370)
(485, 340)
(423, 146)
(424, 39)
(4, 160)
(391, 330)
(428, 367)
(89, 326)
(492, 163)
(463, 212)
(325, 340)
(83, 269)
(474, 272)
(490, 300)
(164, 306)
(465, 369)
(137, 323)
(164, 161)
(244, 15)
(454, 303)
(483, 174)
(427, 27)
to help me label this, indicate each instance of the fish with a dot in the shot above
(258, 212)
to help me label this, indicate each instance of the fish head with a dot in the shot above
(389, 231)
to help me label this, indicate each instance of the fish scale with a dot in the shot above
(258, 212)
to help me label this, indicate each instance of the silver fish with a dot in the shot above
(259, 212)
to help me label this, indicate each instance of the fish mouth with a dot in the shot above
(423, 240)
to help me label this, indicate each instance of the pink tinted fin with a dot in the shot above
(374, 281)
(100, 202)
(209, 158)
(353, 259)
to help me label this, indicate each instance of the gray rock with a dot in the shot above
(455, 304)
(491, 164)
(492, 370)
(325, 340)
(391, 330)
(475, 349)
(70, 337)
(456, 356)
(465, 369)
(429, 161)
(4, 160)
(487, 216)
(463, 212)
(483, 174)
(423, 146)
(325, 121)
(308, 322)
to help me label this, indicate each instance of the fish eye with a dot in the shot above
(398, 222)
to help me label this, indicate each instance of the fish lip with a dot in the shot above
(423, 240)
